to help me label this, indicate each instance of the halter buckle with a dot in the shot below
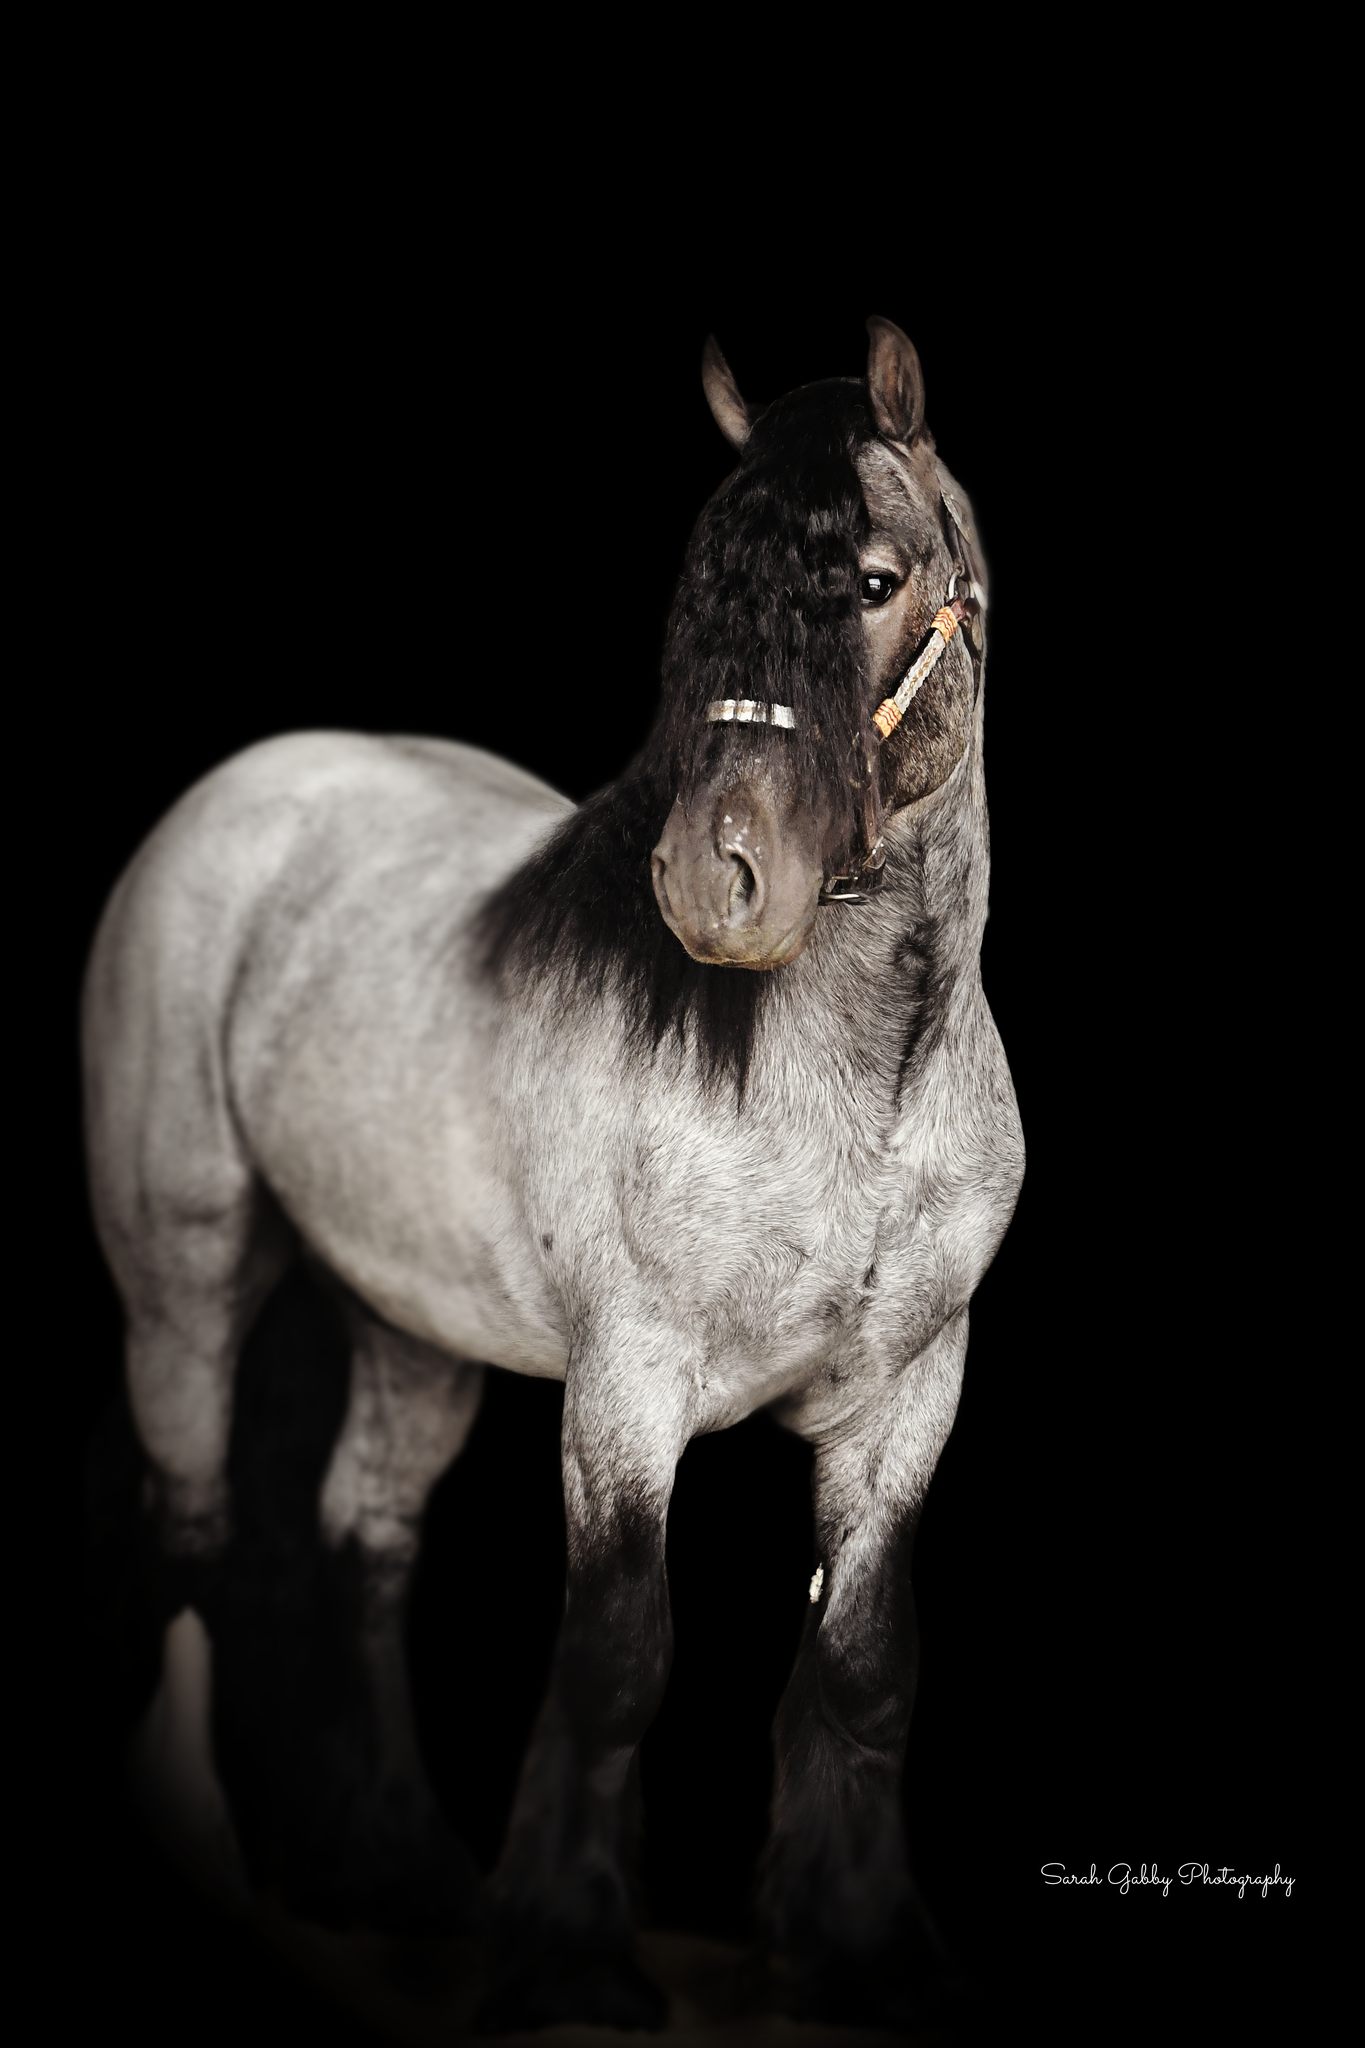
(866, 879)
(871, 884)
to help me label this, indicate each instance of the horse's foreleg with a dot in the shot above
(564, 1949)
(837, 1897)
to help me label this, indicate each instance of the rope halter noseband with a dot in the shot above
(952, 613)
(946, 621)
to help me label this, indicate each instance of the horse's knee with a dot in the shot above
(613, 1685)
(865, 1689)
(616, 1648)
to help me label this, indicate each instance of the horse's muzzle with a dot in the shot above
(733, 888)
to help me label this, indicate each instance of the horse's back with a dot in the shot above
(251, 807)
(339, 797)
(305, 842)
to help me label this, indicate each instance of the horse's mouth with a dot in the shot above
(786, 950)
(781, 954)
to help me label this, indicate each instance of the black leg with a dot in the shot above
(837, 1898)
(315, 1716)
(563, 1943)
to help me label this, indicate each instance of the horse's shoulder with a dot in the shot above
(960, 1150)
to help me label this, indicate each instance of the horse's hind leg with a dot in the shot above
(192, 1237)
(409, 1414)
(191, 1290)
(190, 1296)
(194, 1242)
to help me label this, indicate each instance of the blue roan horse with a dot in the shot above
(688, 1097)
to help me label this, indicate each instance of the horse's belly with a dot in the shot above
(445, 1271)
(385, 1163)
(357, 1037)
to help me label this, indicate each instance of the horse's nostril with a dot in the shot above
(740, 902)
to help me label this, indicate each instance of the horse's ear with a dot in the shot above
(722, 395)
(895, 381)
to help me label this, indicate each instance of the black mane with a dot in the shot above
(767, 606)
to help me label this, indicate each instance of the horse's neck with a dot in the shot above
(898, 971)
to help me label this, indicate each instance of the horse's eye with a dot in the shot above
(877, 587)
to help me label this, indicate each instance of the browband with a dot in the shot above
(747, 711)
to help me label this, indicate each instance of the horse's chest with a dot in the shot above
(842, 1315)
(773, 1263)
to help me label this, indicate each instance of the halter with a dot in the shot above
(955, 611)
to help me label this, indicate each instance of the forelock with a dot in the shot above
(767, 606)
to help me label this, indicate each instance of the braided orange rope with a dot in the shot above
(891, 710)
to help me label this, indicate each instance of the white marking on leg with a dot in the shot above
(171, 1761)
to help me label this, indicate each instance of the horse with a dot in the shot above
(688, 1096)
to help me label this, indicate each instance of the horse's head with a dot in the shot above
(811, 583)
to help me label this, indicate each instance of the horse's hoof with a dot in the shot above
(423, 1903)
(602, 1992)
(397, 1909)
(426, 1886)
(874, 1992)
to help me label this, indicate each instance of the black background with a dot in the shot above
(344, 460)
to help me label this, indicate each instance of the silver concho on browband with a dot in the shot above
(748, 711)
